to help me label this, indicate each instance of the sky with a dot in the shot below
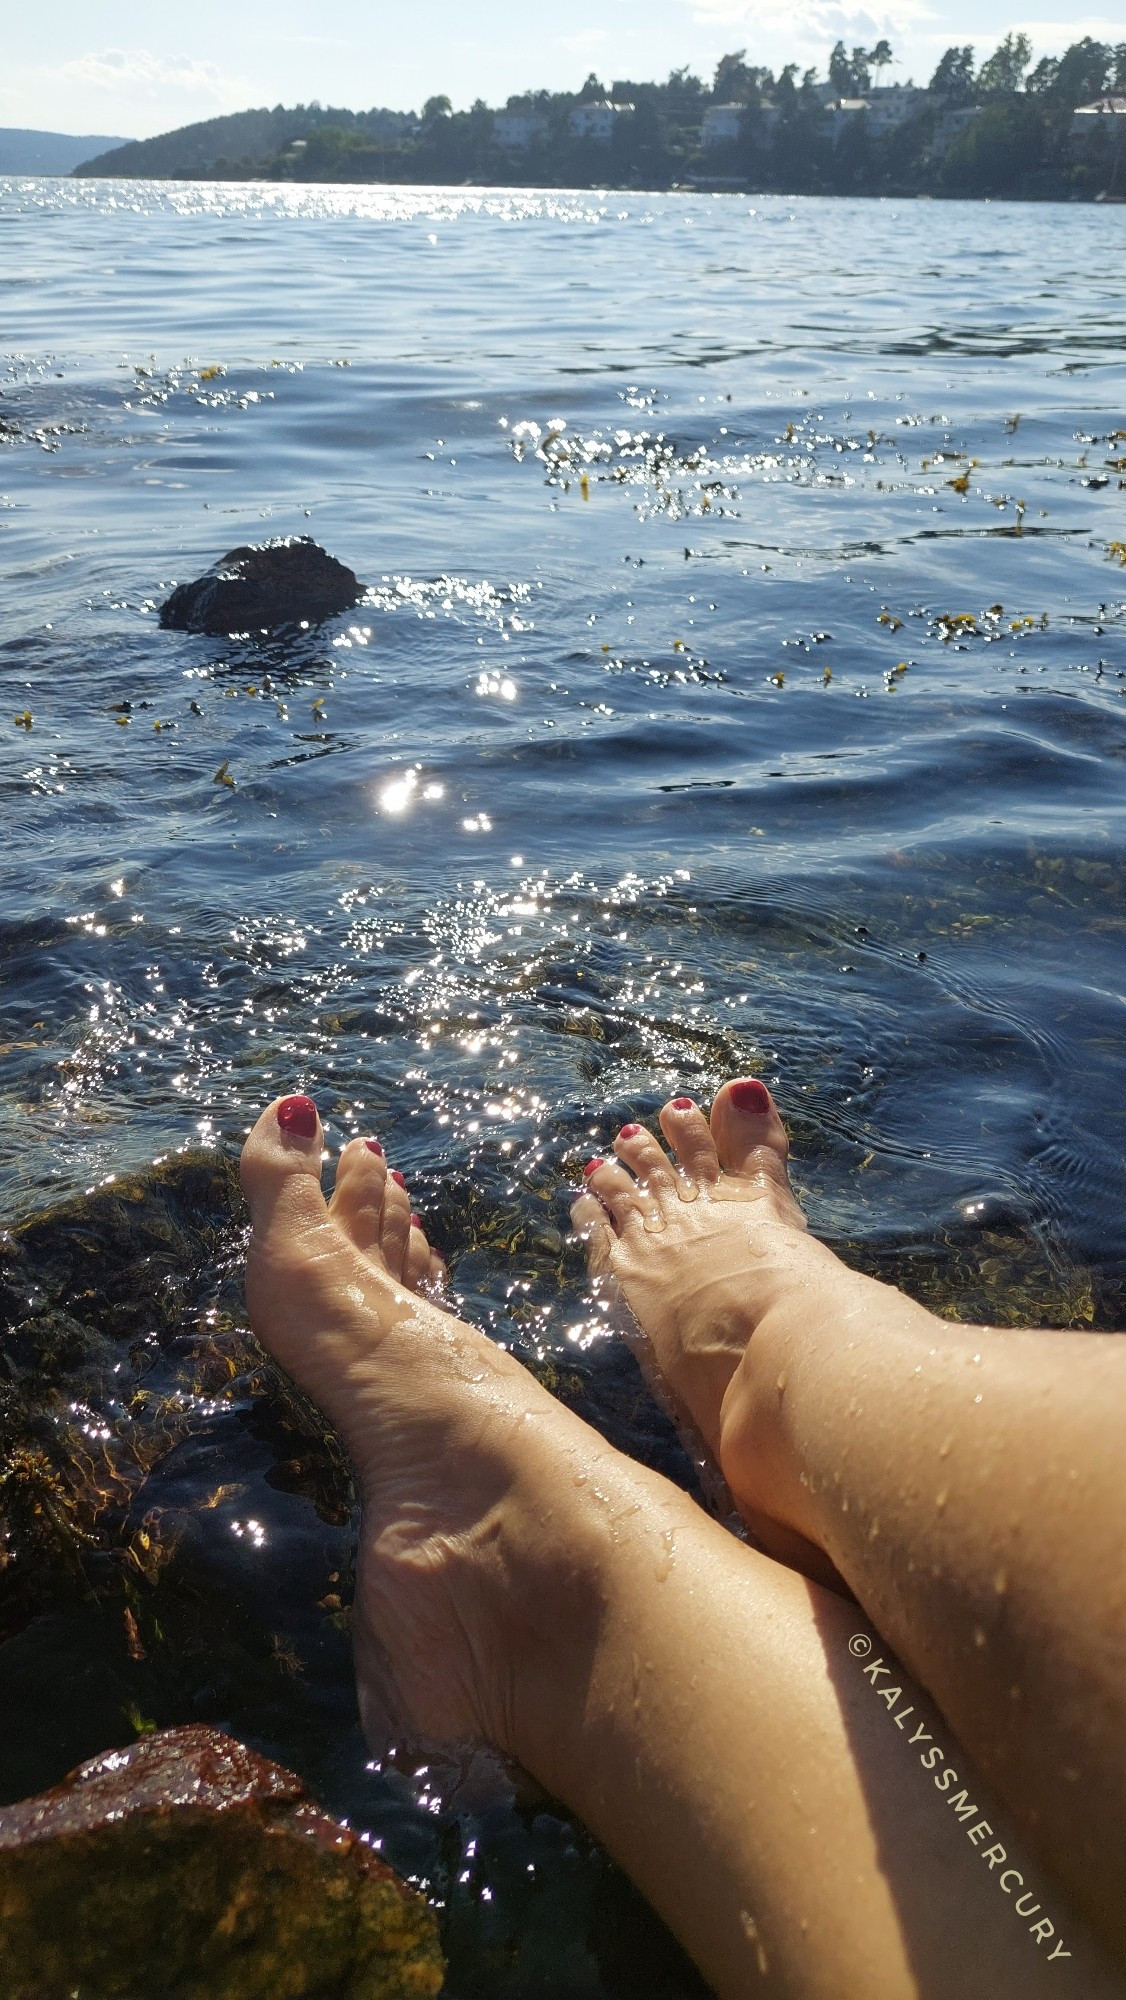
(132, 69)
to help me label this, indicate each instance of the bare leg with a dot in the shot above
(965, 1482)
(696, 1704)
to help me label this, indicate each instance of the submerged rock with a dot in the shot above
(287, 581)
(189, 1867)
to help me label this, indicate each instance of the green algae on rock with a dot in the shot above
(123, 1347)
(187, 1866)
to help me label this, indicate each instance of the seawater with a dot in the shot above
(741, 684)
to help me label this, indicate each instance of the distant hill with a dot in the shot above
(240, 142)
(24, 152)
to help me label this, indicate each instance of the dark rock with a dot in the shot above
(186, 1866)
(288, 581)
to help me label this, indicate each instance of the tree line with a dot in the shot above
(790, 135)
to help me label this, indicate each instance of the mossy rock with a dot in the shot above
(188, 1868)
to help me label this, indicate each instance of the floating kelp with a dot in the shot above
(187, 1866)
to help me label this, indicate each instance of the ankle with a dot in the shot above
(814, 1354)
(759, 1453)
(575, 1566)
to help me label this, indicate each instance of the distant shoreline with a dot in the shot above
(607, 187)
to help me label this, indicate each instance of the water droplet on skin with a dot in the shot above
(782, 1386)
(941, 1498)
(667, 1556)
(1001, 1582)
(581, 1478)
(750, 1932)
(653, 1224)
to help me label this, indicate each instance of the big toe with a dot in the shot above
(293, 1244)
(281, 1166)
(749, 1134)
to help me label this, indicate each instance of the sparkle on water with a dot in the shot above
(739, 685)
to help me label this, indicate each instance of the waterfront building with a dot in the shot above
(516, 130)
(892, 104)
(723, 123)
(595, 119)
(1107, 115)
(950, 126)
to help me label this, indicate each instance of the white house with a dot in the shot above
(844, 112)
(722, 123)
(596, 119)
(951, 126)
(1106, 115)
(515, 130)
(892, 104)
(884, 109)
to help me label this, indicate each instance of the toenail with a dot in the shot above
(298, 1115)
(629, 1131)
(750, 1095)
(592, 1167)
(374, 1146)
(416, 1222)
(683, 1104)
(398, 1178)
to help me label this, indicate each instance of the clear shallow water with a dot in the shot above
(771, 748)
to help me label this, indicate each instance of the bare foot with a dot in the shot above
(519, 1581)
(467, 1576)
(707, 1248)
(699, 1245)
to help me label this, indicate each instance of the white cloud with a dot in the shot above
(820, 21)
(1054, 37)
(136, 73)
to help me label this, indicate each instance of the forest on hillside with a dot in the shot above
(1004, 128)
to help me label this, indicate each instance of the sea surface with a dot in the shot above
(741, 685)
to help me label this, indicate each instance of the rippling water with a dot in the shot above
(740, 685)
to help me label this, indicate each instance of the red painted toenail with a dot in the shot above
(298, 1115)
(629, 1131)
(592, 1167)
(397, 1177)
(683, 1104)
(374, 1146)
(416, 1222)
(750, 1095)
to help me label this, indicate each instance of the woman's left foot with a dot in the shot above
(490, 1512)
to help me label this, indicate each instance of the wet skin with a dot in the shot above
(518, 1581)
(963, 1481)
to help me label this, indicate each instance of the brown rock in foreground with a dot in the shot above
(189, 1868)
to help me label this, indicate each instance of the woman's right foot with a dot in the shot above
(710, 1249)
(699, 1245)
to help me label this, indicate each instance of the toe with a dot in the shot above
(297, 1263)
(281, 1167)
(689, 1134)
(357, 1201)
(646, 1159)
(416, 1265)
(749, 1134)
(395, 1227)
(592, 1226)
(437, 1277)
(625, 1202)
